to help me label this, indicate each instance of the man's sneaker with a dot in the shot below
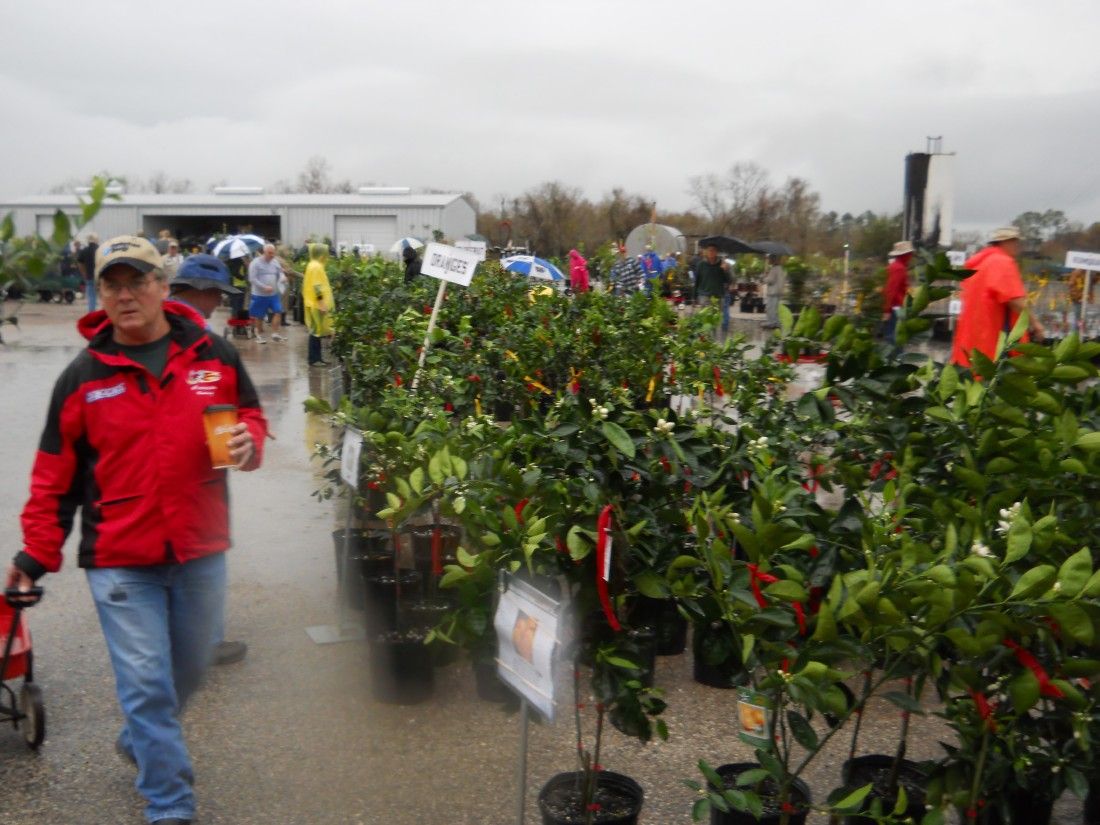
(277, 337)
(260, 339)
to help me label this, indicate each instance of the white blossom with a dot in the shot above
(979, 549)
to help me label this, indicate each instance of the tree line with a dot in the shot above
(744, 202)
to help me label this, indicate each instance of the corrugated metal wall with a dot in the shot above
(459, 219)
(299, 223)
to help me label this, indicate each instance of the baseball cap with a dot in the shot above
(129, 250)
(204, 272)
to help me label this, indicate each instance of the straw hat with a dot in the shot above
(901, 248)
(1005, 233)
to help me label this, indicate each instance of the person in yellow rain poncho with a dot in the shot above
(317, 300)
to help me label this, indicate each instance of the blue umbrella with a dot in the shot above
(532, 267)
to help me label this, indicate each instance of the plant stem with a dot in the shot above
(976, 784)
(859, 716)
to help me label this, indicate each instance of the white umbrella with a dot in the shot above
(408, 242)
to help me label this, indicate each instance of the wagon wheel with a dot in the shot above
(34, 715)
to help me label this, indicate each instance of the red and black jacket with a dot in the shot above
(130, 451)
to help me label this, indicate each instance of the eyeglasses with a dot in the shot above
(136, 286)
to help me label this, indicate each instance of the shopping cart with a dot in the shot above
(24, 710)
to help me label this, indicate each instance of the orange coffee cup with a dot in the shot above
(219, 421)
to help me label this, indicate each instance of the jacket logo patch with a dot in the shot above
(106, 392)
(203, 377)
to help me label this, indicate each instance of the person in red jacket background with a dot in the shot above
(897, 285)
(124, 442)
(992, 298)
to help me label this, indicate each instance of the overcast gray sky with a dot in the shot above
(495, 97)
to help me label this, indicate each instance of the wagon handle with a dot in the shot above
(18, 599)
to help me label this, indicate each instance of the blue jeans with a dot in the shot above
(158, 622)
(89, 293)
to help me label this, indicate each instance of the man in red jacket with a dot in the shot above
(897, 285)
(124, 441)
(992, 298)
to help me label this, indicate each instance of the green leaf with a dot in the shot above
(1089, 442)
(62, 230)
(786, 320)
(459, 505)
(804, 734)
(903, 701)
(825, 629)
(902, 802)
(416, 480)
(465, 558)
(751, 777)
(1074, 621)
(1024, 691)
(853, 800)
(618, 437)
(787, 591)
(651, 585)
(1019, 539)
(1034, 581)
(578, 547)
(435, 469)
(459, 467)
(620, 662)
(933, 817)
(1074, 573)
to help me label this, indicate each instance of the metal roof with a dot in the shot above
(259, 201)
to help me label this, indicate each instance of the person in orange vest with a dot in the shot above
(897, 285)
(992, 298)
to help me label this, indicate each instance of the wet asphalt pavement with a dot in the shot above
(291, 734)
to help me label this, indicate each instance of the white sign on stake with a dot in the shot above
(526, 623)
(957, 257)
(1083, 260)
(349, 456)
(479, 248)
(449, 263)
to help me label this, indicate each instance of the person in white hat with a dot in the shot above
(897, 286)
(992, 298)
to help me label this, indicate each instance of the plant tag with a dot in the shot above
(754, 717)
(349, 456)
(606, 572)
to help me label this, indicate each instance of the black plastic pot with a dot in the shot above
(800, 799)
(401, 668)
(664, 617)
(620, 799)
(420, 538)
(1016, 806)
(489, 686)
(875, 768)
(373, 501)
(383, 593)
(423, 615)
(362, 543)
(716, 663)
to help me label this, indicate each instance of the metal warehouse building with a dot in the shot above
(374, 216)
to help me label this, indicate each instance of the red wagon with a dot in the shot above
(24, 710)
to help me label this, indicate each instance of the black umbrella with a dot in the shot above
(772, 248)
(726, 245)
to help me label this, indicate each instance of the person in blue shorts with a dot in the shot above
(263, 278)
